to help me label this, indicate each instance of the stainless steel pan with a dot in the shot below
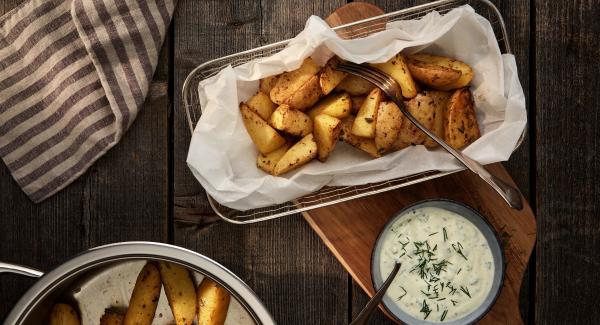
(103, 277)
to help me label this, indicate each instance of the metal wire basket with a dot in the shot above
(331, 195)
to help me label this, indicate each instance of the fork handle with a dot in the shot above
(511, 195)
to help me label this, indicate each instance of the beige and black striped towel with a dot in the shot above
(73, 76)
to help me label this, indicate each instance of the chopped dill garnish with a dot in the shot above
(454, 302)
(440, 266)
(458, 249)
(457, 273)
(444, 315)
(433, 233)
(402, 296)
(465, 290)
(445, 234)
(442, 299)
(425, 309)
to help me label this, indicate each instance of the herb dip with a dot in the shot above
(447, 265)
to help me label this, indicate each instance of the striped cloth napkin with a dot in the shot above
(73, 76)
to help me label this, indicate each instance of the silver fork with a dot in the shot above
(390, 87)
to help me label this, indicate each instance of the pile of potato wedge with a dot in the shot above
(300, 115)
(208, 303)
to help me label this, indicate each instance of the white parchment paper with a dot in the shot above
(223, 158)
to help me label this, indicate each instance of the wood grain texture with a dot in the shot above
(286, 264)
(123, 196)
(567, 48)
(350, 229)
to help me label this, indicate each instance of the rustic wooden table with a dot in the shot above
(142, 189)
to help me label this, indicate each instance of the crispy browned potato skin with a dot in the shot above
(111, 318)
(144, 298)
(299, 154)
(389, 122)
(213, 303)
(461, 127)
(306, 96)
(266, 84)
(63, 314)
(290, 82)
(329, 77)
(432, 75)
(327, 131)
(262, 134)
(180, 292)
(466, 71)
(291, 121)
(365, 144)
(440, 101)
(421, 107)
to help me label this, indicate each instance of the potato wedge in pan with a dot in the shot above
(329, 77)
(299, 154)
(433, 75)
(387, 128)
(144, 298)
(213, 302)
(291, 121)
(112, 318)
(262, 105)
(306, 96)
(357, 103)
(336, 105)
(466, 71)
(266, 84)
(366, 118)
(180, 292)
(440, 101)
(262, 134)
(290, 82)
(327, 132)
(396, 67)
(461, 127)
(355, 86)
(267, 162)
(64, 314)
(422, 108)
(365, 144)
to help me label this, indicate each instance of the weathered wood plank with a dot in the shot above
(568, 169)
(283, 260)
(124, 196)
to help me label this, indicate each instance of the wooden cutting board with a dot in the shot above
(350, 229)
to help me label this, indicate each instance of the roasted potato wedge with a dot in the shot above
(336, 105)
(267, 162)
(262, 105)
(63, 314)
(355, 86)
(440, 101)
(366, 119)
(263, 135)
(466, 71)
(329, 77)
(461, 127)
(397, 68)
(290, 82)
(306, 96)
(299, 154)
(387, 128)
(327, 131)
(144, 298)
(422, 108)
(180, 292)
(357, 103)
(213, 303)
(112, 318)
(291, 121)
(266, 84)
(365, 144)
(432, 75)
